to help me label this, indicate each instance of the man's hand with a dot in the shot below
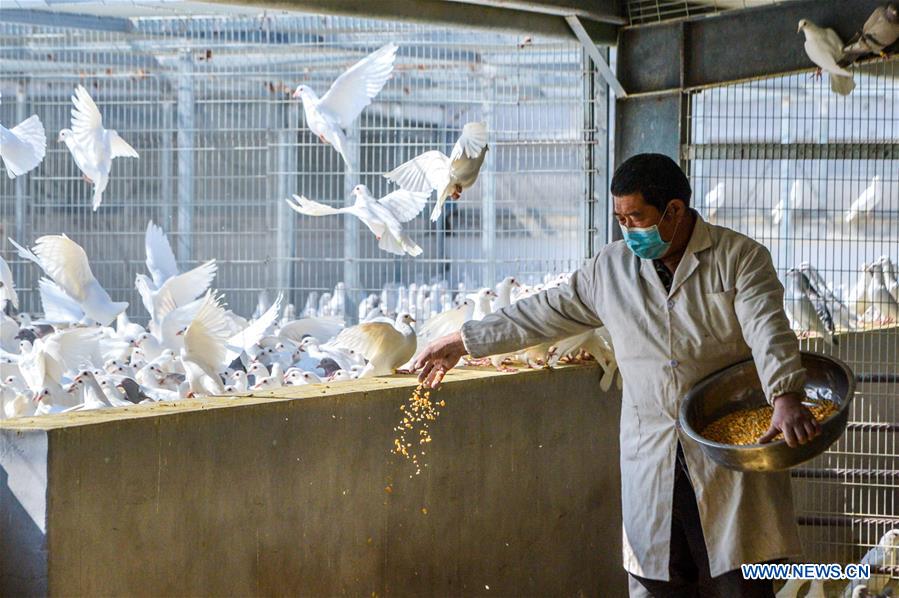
(793, 419)
(438, 358)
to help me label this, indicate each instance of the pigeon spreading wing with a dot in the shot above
(58, 307)
(405, 205)
(207, 335)
(472, 141)
(322, 329)
(308, 207)
(247, 338)
(161, 261)
(23, 147)
(369, 339)
(352, 91)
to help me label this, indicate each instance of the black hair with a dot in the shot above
(656, 177)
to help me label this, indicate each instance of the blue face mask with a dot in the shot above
(646, 242)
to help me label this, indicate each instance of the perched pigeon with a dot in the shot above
(383, 217)
(858, 296)
(825, 48)
(887, 309)
(880, 31)
(92, 146)
(890, 276)
(386, 346)
(806, 309)
(449, 176)
(7, 287)
(23, 147)
(884, 554)
(714, 200)
(66, 263)
(843, 317)
(801, 197)
(864, 203)
(350, 93)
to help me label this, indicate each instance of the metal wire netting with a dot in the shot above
(206, 102)
(784, 160)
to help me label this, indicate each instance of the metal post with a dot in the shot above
(185, 158)
(287, 119)
(787, 171)
(351, 225)
(488, 193)
(21, 114)
(166, 176)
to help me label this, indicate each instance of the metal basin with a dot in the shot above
(738, 387)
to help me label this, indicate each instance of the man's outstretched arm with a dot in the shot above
(548, 316)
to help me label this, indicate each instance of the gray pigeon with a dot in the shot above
(880, 31)
(806, 309)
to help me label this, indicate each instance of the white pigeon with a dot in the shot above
(66, 263)
(449, 175)
(885, 554)
(825, 48)
(176, 291)
(801, 197)
(890, 276)
(858, 296)
(160, 261)
(713, 200)
(864, 203)
(386, 346)
(23, 147)
(384, 217)
(445, 323)
(204, 352)
(883, 303)
(7, 287)
(791, 588)
(92, 146)
(351, 92)
(482, 303)
(242, 342)
(51, 357)
(322, 329)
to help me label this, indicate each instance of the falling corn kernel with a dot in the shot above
(424, 510)
(418, 412)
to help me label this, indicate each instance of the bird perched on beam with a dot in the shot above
(825, 48)
(880, 31)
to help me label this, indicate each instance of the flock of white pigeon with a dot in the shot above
(74, 358)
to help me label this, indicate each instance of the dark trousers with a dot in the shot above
(688, 566)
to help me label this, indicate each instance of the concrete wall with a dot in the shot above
(275, 496)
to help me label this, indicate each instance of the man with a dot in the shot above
(681, 299)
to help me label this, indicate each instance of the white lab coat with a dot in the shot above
(725, 305)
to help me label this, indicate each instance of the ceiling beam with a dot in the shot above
(65, 19)
(603, 11)
(452, 13)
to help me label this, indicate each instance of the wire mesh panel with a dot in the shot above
(815, 177)
(654, 11)
(206, 102)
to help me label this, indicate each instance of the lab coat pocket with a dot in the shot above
(721, 319)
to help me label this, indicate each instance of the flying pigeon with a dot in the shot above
(806, 309)
(66, 263)
(350, 93)
(7, 287)
(880, 31)
(864, 203)
(23, 147)
(385, 345)
(92, 146)
(383, 217)
(449, 176)
(825, 48)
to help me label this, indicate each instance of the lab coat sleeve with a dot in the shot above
(547, 316)
(758, 303)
